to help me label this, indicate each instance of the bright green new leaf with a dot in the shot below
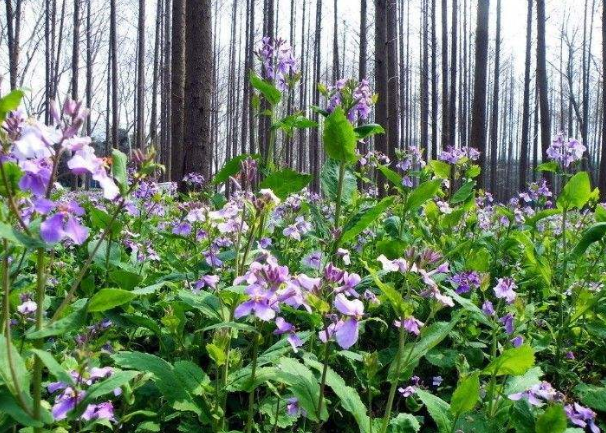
(267, 89)
(553, 420)
(339, 137)
(423, 193)
(438, 409)
(231, 168)
(285, 182)
(512, 362)
(576, 193)
(106, 299)
(466, 395)
(365, 218)
(368, 130)
(119, 162)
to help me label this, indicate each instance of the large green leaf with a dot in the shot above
(395, 298)
(71, 322)
(10, 102)
(553, 420)
(512, 362)
(592, 396)
(231, 168)
(440, 168)
(304, 385)
(349, 397)
(108, 385)
(106, 299)
(365, 218)
(285, 182)
(267, 89)
(591, 235)
(329, 181)
(466, 395)
(404, 423)
(391, 175)
(53, 366)
(10, 407)
(463, 193)
(420, 195)
(119, 162)
(191, 377)
(17, 237)
(438, 409)
(576, 193)
(339, 137)
(20, 379)
(13, 175)
(368, 130)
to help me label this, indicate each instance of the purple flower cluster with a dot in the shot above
(408, 159)
(565, 153)
(465, 282)
(356, 98)
(278, 61)
(453, 155)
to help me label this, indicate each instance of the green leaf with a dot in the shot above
(522, 418)
(106, 299)
(466, 395)
(303, 384)
(395, 298)
(365, 218)
(10, 102)
(119, 162)
(125, 279)
(21, 373)
(438, 409)
(72, 322)
(512, 362)
(191, 377)
(101, 220)
(267, 89)
(420, 195)
(576, 193)
(440, 168)
(9, 406)
(350, 399)
(553, 420)
(15, 236)
(231, 168)
(339, 137)
(13, 175)
(329, 181)
(53, 366)
(285, 182)
(523, 383)
(591, 235)
(542, 214)
(99, 389)
(404, 423)
(464, 193)
(592, 396)
(391, 175)
(551, 166)
(368, 130)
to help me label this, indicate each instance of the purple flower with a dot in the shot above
(371, 297)
(210, 281)
(27, 308)
(537, 394)
(313, 260)
(293, 409)
(63, 225)
(259, 303)
(397, 265)
(36, 176)
(283, 327)
(455, 155)
(66, 402)
(508, 323)
(346, 331)
(349, 281)
(581, 416)
(99, 411)
(505, 289)
(182, 229)
(487, 308)
(411, 324)
(565, 153)
(408, 391)
(333, 274)
(264, 243)
(465, 281)
(517, 341)
(437, 381)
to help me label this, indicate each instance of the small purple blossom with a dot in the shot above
(505, 289)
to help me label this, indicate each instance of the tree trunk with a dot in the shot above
(526, 104)
(198, 88)
(393, 87)
(478, 121)
(452, 111)
(177, 89)
(434, 81)
(76, 50)
(153, 123)
(314, 151)
(114, 73)
(602, 181)
(381, 79)
(424, 83)
(445, 98)
(140, 120)
(494, 123)
(542, 80)
(336, 74)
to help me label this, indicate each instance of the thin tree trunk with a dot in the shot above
(478, 121)
(140, 142)
(494, 123)
(153, 123)
(602, 180)
(445, 97)
(543, 84)
(381, 82)
(393, 87)
(177, 89)
(335, 44)
(526, 104)
(113, 37)
(452, 111)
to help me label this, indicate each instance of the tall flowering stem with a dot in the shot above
(251, 394)
(38, 366)
(394, 382)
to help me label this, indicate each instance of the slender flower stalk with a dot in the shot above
(251, 394)
(394, 382)
(38, 366)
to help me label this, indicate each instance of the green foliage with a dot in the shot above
(267, 89)
(106, 299)
(231, 168)
(513, 362)
(553, 420)
(466, 395)
(364, 219)
(576, 193)
(10, 102)
(438, 409)
(420, 195)
(285, 182)
(339, 137)
(329, 180)
(119, 161)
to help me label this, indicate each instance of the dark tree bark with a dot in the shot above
(198, 88)
(13, 30)
(167, 89)
(452, 99)
(602, 180)
(113, 38)
(445, 97)
(478, 121)
(140, 120)
(543, 84)
(89, 65)
(314, 151)
(381, 81)
(336, 70)
(177, 89)
(393, 87)
(424, 83)
(494, 122)
(526, 103)
(434, 81)
(76, 50)
(153, 123)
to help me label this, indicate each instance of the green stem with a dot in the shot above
(493, 355)
(323, 380)
(251, 394)
(560, 334)
(38, 366)
(339, 194)
(226, 372)
(394, 382)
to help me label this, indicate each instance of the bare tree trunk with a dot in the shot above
(47, 60)
(153, 123)
(335, 45)
(167, 89)
(393, 87)
(248, 49)
(526, 104)
(76, 50)
(113, 38)
(452, 111)
(434, 81)
(13, 30)
(494, 123)
(198, 88)
(478, 121)
(602, 180)
(314, 153)
(177, 89)
(89, 65)
(140, 141)
(445, 97)
(381, 81)
(542, 80)
(424, 82)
